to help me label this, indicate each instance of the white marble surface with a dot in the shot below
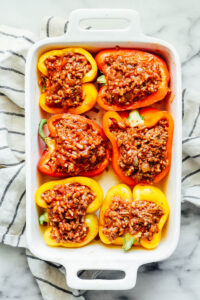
(178, 22)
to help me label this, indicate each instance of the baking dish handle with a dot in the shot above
(76, 33)
(128, 282)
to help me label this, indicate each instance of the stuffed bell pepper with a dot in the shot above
(76, 146)
(131, 79)
(68, 211)
(141, 143)
(133, 218)
(65, 77)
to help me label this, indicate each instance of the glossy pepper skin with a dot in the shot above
(51, 146)
(151, 116)
(140, 192)
(89, 90)
(147, 101)
(91, 219)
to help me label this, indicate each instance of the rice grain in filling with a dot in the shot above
(143, 150)
(139, 218)
(66, 207)
(130, 78)
(79, 148)
(63, 84)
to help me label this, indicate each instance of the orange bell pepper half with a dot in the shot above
(150, 117)
(51, 145)
(89, 89)
(91, 219)
(143, 56)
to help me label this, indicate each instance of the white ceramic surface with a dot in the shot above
(97, 256)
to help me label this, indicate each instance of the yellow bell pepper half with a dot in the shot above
(89, 90)
(91, 219)
(141, 192)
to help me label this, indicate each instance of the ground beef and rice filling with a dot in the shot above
(143, 151)
(139, 218)
(79, 148)
(63, 84)
(130, 78)
(66, 206)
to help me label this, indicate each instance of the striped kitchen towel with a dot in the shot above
(191, 147)
(14, 45)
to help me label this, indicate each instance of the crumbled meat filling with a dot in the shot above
(63, 84)
(143, 150)
(79, 148)
(139, 218)
(130, 78)
(66, 207)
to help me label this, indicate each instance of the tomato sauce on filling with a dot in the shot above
(63, 84)
(142, 150)
(139, 218)
(79, 148)
(66, 206)
(130, 78)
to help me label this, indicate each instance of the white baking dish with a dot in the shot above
(96, 255)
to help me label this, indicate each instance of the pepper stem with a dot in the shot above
(128, 242)
(135, 118)
(44, 218)
(101, 80)
(41, 133)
